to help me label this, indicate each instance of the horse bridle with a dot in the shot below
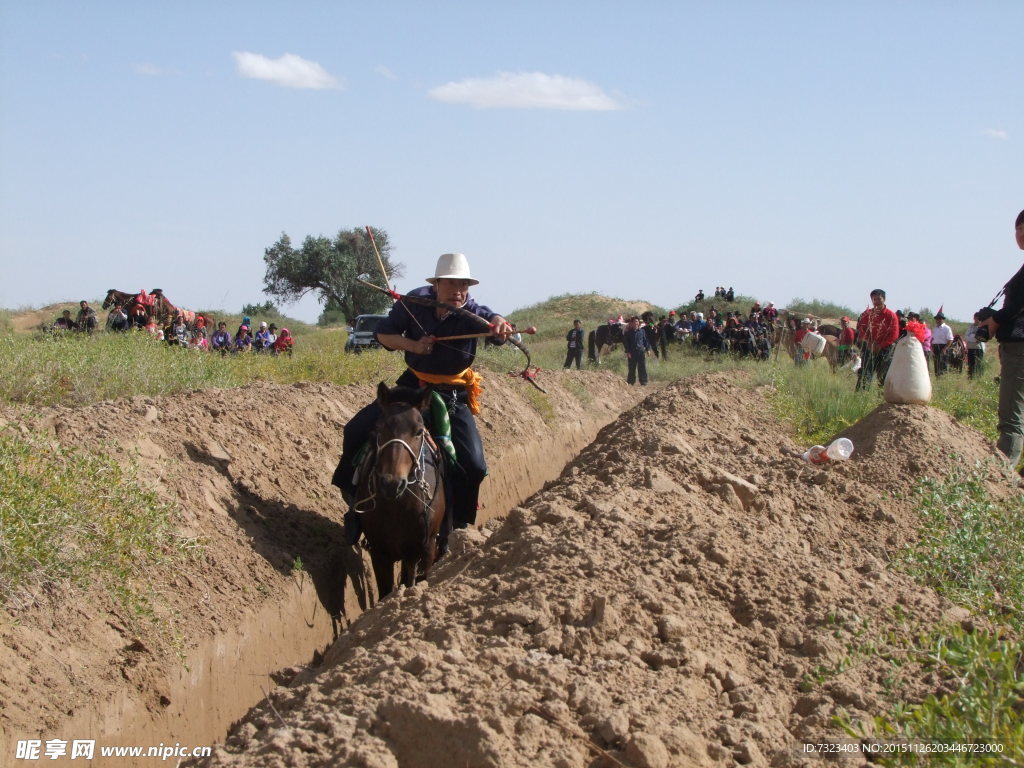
(416, 476)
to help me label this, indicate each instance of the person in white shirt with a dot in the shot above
(942, 337)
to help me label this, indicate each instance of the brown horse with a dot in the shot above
(400, 491)
(163, 311)
(115, 296)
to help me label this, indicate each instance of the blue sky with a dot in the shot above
(641, 150)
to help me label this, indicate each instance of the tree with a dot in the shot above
(331, 268)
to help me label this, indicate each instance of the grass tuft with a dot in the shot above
(68, 516)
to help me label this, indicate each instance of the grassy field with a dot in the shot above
(970, 547)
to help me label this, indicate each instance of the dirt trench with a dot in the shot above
(250, 469)
(686, 593)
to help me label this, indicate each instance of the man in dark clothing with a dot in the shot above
(574, 338)
(665, 334)
(444, 366)
(635, 342)
(86, 319)
(1007, 327)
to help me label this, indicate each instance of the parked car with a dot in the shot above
(360, 335)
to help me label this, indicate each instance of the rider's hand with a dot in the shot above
(502, 328)
(423, 346)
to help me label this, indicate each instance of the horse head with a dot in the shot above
(401, 439)
(109, 300)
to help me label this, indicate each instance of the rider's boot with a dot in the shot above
(353, 525)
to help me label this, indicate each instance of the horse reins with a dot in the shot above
(417, 476)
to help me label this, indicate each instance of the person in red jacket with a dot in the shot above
(877, 330)
(845, 341)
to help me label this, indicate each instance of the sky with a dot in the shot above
(641, 150)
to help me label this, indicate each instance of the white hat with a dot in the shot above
(452, 266)
(263, 324)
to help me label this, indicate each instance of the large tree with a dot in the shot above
(330, 268)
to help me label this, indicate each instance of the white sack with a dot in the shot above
(813, 343)
(907, 380)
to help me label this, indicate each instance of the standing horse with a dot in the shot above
(601, 340)
(400, 491)
(125, 300)
(163, 311)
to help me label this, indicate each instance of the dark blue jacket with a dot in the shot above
(418, 320)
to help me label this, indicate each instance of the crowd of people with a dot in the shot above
(866, 347)
(183, 331)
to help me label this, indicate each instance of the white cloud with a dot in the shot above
(996, 133)
(385, 72)
(290, 70)
(525, 90)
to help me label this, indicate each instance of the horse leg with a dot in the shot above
(383, 573)
(409, 571)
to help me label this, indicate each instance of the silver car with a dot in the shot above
(360, 336)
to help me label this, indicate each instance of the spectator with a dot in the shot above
(877, 330)
(243, 341)
(198, 340)
(942, 337)
(975, 349)
(262, 340)
(117, 320)
(64, 322)
(86, 320)
(923, 333)
(137, 316)
(635, 342)
(800, 356)
(284, 343)
(179, 335)
(221, 340)
(665, 333)
(574, 345)
(651, 330)
(730, 296)
(1007, 327)
(845, 341)
(273, 335)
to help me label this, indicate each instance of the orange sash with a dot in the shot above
(469, 378)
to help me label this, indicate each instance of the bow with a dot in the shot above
(529, 372)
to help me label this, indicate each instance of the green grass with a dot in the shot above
(970, 549)
(79, 370)
(68, 516)
(820, 404)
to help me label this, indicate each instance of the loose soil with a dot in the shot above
(663, 601)
(249, 470)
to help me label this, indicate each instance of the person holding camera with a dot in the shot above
(1007, 326)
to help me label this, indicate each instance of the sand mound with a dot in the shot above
(670, 600)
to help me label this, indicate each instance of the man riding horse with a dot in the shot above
(418, 325)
